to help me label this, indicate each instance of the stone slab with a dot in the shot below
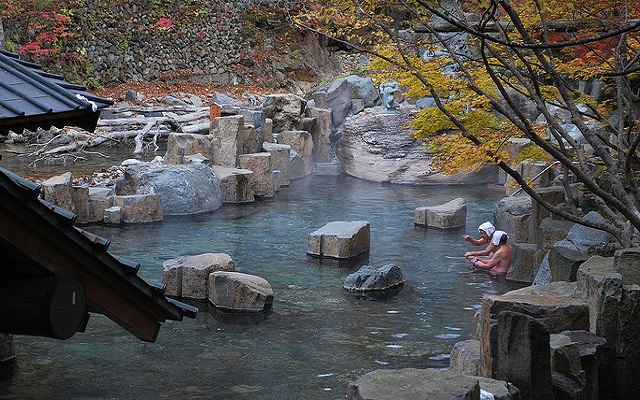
(340, 240)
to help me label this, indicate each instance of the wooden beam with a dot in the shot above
(108, 291)
(42, 306)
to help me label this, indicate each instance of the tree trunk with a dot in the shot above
(3, 44)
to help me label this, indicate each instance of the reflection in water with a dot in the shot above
(317, 338)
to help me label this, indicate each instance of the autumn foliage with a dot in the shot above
(490, 66)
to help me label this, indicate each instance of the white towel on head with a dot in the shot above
(487, 227)
(497, 236)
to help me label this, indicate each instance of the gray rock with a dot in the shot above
(524, 267)
(523, 356)
(513, 215)
(174, 101)
(551, 231)
(225, 99)
(377, 147)
(340, 240)
(576, 356)
(556, 305)
(235, 291)
(465, 357)
(566, 256)
(180, 145)
(339, 101)
(280, 160)
(81, 203)
(302, 144)
(362, 88)
(113, 215)
(452, 214)
(413, 384)
(626, 262)
(134, 97)
(263, 178)
(227, 140)
(196, 159)
(421, 384)
(7, 350)
(236, 184)
(188, 276)
(284, 110)
(58, 190)
(138, 208)
(321, 134)
(184, 189)
(368, 278)
(257, 119)
(544, 272)
(100, 198)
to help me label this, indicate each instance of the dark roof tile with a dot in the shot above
(31, 98)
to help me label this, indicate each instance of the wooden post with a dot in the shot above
(42, 306)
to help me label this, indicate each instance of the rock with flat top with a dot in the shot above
(340, 240)
(234, 291)
(452, 214)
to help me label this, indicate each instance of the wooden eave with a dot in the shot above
(45, 236)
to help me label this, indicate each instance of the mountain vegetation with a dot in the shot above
(490, 66)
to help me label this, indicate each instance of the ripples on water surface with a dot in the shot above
(318, 337)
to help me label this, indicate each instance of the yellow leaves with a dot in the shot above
(550, 93)
(453, 153)
(533, 153)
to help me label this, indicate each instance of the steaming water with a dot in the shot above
(318, 337)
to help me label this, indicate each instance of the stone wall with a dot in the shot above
(213, 41)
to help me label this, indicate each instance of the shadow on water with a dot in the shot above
(317, 338)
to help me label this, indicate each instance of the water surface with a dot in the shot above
(318, 336)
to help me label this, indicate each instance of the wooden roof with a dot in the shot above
(39, 239)
(31, 98)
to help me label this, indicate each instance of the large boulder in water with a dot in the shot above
(368, 278)
(378, 147)
(184, 189)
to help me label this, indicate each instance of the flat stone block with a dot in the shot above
(280, 160)
(188, 276)
(227, 140)
(58, 190)
(140, 208)
(340, 239)
(523, 268)
(429, 383)
(260, 164)
(555, 304)
(626, 262)
(236, 184)
(100, 198)
(465, 357)
(113, 215)
(180, 145)
(446, 216)
(240, 292)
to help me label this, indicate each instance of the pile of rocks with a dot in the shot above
(211, 277)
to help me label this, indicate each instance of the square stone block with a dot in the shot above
(340, 240)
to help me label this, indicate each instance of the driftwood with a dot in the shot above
(142, 120)
(119, 129)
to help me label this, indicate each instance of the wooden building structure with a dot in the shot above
(53, 275)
